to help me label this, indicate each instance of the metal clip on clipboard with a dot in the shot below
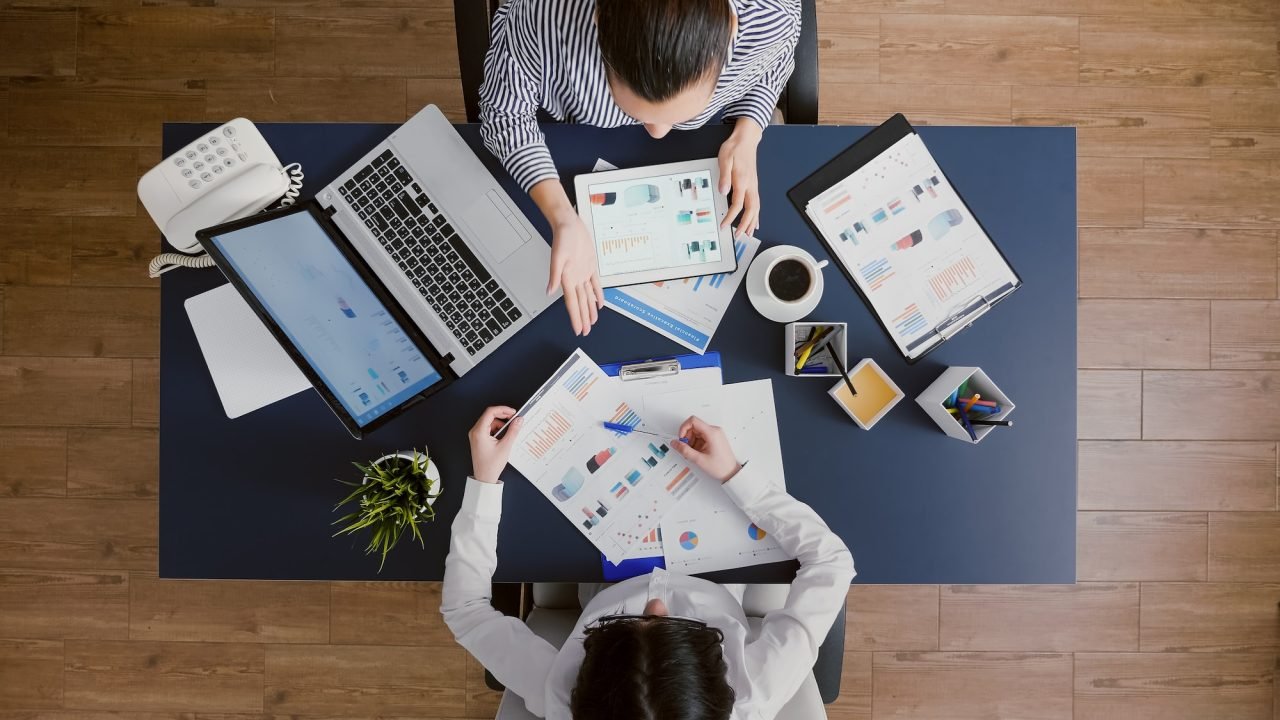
(963, 317)
(648, 370)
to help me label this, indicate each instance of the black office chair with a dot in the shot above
(799, 100)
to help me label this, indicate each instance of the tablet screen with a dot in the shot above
(330, 314)
(665, 221)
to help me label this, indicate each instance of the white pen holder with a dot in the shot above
(798, 332)
(934, 399)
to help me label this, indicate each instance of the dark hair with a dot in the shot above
(645, 668)
(660, 47)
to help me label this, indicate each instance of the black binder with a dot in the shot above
(845, 164)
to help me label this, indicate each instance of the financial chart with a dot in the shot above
(686, 310)
(659, 222)
(614, 487)
(910, 242)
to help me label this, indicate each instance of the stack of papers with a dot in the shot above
(614, 487)
(632, 495)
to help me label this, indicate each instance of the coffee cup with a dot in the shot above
(793, 278)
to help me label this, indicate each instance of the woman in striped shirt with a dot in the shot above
(661, 63)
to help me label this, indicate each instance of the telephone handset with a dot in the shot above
(228, 174)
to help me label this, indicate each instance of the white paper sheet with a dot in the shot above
(636, 393)
(707, 531)
(911, 245)
(687, 311)
(249, 368)
(614, 488)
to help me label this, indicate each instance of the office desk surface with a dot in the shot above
(253, 497)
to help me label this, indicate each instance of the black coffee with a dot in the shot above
(789, 280)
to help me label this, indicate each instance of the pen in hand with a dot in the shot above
(627, 430)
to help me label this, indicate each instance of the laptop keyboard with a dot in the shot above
(440, 265)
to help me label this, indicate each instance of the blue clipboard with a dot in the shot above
(639, 371)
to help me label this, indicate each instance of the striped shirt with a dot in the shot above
(545, 54)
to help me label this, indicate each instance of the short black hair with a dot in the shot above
(660, 47)
(645, 668)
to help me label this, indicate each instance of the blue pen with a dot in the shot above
(815, 370)
(628, 429)
(964, 419)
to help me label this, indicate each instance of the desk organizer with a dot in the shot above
(934, 399)
(877, 394)
(801, 330)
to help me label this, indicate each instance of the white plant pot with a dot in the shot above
(433, 471)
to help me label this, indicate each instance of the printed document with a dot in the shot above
(613, 487)
(911, 245)
(707, 531)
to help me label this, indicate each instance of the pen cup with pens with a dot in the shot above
(815, 349)
(966, 404)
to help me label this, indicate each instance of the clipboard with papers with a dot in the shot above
(655, 376)
(905, 238)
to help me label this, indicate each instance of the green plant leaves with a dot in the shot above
(391, 497)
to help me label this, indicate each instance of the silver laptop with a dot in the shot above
(443, 237)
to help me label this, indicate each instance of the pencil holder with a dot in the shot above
(798, 332)
(876, 394)
(936, 397)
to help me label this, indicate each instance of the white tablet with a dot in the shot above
(654, 223)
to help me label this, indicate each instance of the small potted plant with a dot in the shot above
(395, 494)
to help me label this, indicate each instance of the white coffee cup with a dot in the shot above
(793, 278)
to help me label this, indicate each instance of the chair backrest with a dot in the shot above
(799, 101)
(471, 19)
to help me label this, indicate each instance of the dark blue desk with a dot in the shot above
(253, 497)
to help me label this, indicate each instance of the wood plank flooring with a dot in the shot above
(1177, 105)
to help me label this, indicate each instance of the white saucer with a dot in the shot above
(766, 305)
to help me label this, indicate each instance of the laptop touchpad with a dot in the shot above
(496, 231)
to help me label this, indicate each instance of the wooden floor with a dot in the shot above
(1175, 615)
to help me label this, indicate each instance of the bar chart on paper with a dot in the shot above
(954, 277)
(613, 486)
(545, 437)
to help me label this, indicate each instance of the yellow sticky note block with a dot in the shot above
(876, 393)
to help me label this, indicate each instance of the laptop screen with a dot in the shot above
(328, 311)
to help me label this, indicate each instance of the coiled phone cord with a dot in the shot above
(164, 262)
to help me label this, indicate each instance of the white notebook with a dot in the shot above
(249, 368)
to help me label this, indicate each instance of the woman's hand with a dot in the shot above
(738, 173)
(489, 454)
(708, 449)
(573, 269)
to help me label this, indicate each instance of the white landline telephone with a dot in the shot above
(226, 175)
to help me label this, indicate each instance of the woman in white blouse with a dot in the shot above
(662, 645)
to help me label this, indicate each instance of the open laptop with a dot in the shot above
(419, 234)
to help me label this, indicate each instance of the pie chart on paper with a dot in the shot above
(755, 532)
(688, 540)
